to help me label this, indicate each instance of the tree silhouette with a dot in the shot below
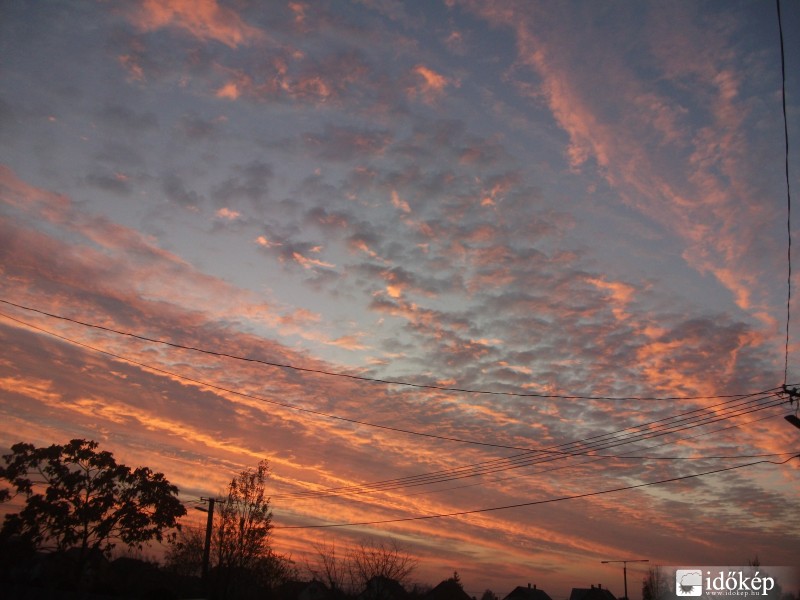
(185, 554)
(242, 529)
(328, 567)
(368, 560)
(77, 497)
(387, 560)
(655, 585)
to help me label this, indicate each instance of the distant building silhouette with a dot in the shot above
(528, 593)
(383, 588)
(592, 593)
(302, 590)
(449, 589)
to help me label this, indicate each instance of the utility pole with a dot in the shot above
(625, 569)
(209, 528)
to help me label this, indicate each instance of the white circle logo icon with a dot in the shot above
(688, 582)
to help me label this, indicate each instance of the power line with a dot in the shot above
(319, 413)
(788, 193)
(483, 468)
(267, 400)
(385, 487)
(285, 405)
(292, 406)
(593, 460)
(605, 440)
(357, 377)
(534, 503)
(551, 454)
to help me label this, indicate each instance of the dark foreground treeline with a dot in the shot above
(27, 574)
(78, 506)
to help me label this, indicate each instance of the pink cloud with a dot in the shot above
(350, 342)
(299, 10)
(692, 179)
(314, 88)
(288, 75)
(362, 245)
(621, 295)
(133, 66)
(229, 91)
(310, 263)
(228, 214)
(203, 19)
(265, 242)
(107, 256)
(399, 203)
(21, 195)
(428, 84)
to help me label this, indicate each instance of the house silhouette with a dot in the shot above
(592, 593)
(528, 593)
(449, 589)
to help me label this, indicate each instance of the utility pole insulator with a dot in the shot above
(793, 393)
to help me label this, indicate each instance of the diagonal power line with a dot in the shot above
(533, 503)
(288, 405)
(350, 375)
(567, 450)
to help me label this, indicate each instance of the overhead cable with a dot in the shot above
(593, 460)
(788, 194)
(350, 375)
(278, 403)
(600, 441)
(546, 455)
(533, 503)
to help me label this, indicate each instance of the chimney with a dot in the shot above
(529, 586)
(599, 586)
(592, 586)
(534, 586)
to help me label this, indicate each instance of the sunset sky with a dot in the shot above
(565, 223)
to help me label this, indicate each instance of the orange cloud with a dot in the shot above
(299, 11)
(394, 291)
(229, 91)
(587, 136)
(310, 263)
(399, 203)
(264, 242)
(38, 389)
(428, 84)
(130, 261)
(228, 214)
(203, 19)
(363, 246)
(349, 342)
(621, 295)
(21, 195)
(715, 187)
(310, 87)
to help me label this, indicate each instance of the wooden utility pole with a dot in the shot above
(209, 528)
(625, 569)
